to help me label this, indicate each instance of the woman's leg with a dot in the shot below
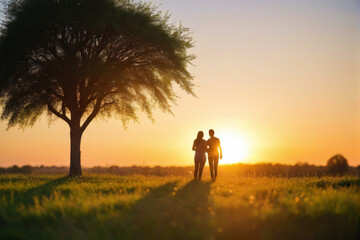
(196, 168)
(202, 164)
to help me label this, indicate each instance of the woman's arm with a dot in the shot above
(194, 147)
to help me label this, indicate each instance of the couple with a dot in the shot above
(212, 147)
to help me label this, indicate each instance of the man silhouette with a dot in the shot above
(213, 153)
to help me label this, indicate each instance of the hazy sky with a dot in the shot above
(279, 81)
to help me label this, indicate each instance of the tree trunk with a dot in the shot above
(75, 154)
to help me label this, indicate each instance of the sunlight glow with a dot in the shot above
(235, 148)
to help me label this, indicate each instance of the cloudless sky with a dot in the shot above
(279, 78)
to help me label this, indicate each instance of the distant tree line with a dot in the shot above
(336, 165)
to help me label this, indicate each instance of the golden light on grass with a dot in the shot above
(235, 148)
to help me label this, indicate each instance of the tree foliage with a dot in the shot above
(80, 59)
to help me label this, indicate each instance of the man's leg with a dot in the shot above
(202, 164)
(211, 165)
(216, 162)
(196, 168)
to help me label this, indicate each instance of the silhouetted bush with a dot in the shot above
(337, 165)
(27, 169)
(14, 169)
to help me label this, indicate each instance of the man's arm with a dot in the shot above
(220, 150)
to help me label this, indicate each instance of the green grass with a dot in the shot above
(139, 207)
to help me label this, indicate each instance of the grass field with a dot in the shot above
(139, 207)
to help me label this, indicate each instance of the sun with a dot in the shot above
(234, 146)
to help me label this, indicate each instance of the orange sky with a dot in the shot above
(277, 79)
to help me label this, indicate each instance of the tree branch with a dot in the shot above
(107, 104)
(92, 115)
(59, 96)
(62, 116)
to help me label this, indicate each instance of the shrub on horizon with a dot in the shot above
(337, 165)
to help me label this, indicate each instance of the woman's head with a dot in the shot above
(200, 135)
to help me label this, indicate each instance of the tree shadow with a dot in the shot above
(169, 213)
(11, 217)
(27, 197)
(39, 192)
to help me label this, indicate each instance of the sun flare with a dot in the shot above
(235, 148)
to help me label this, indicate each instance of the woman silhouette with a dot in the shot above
(200, 148)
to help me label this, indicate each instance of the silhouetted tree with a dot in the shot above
(337, 165)
(79, 59)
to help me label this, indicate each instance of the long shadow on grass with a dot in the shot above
(43, 190)
(169, 213)
(27, 197)
(11, 217)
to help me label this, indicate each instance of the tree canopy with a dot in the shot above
(79, 59)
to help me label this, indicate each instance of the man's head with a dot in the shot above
(211, 132)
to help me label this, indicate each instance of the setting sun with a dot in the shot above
(235, 148)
